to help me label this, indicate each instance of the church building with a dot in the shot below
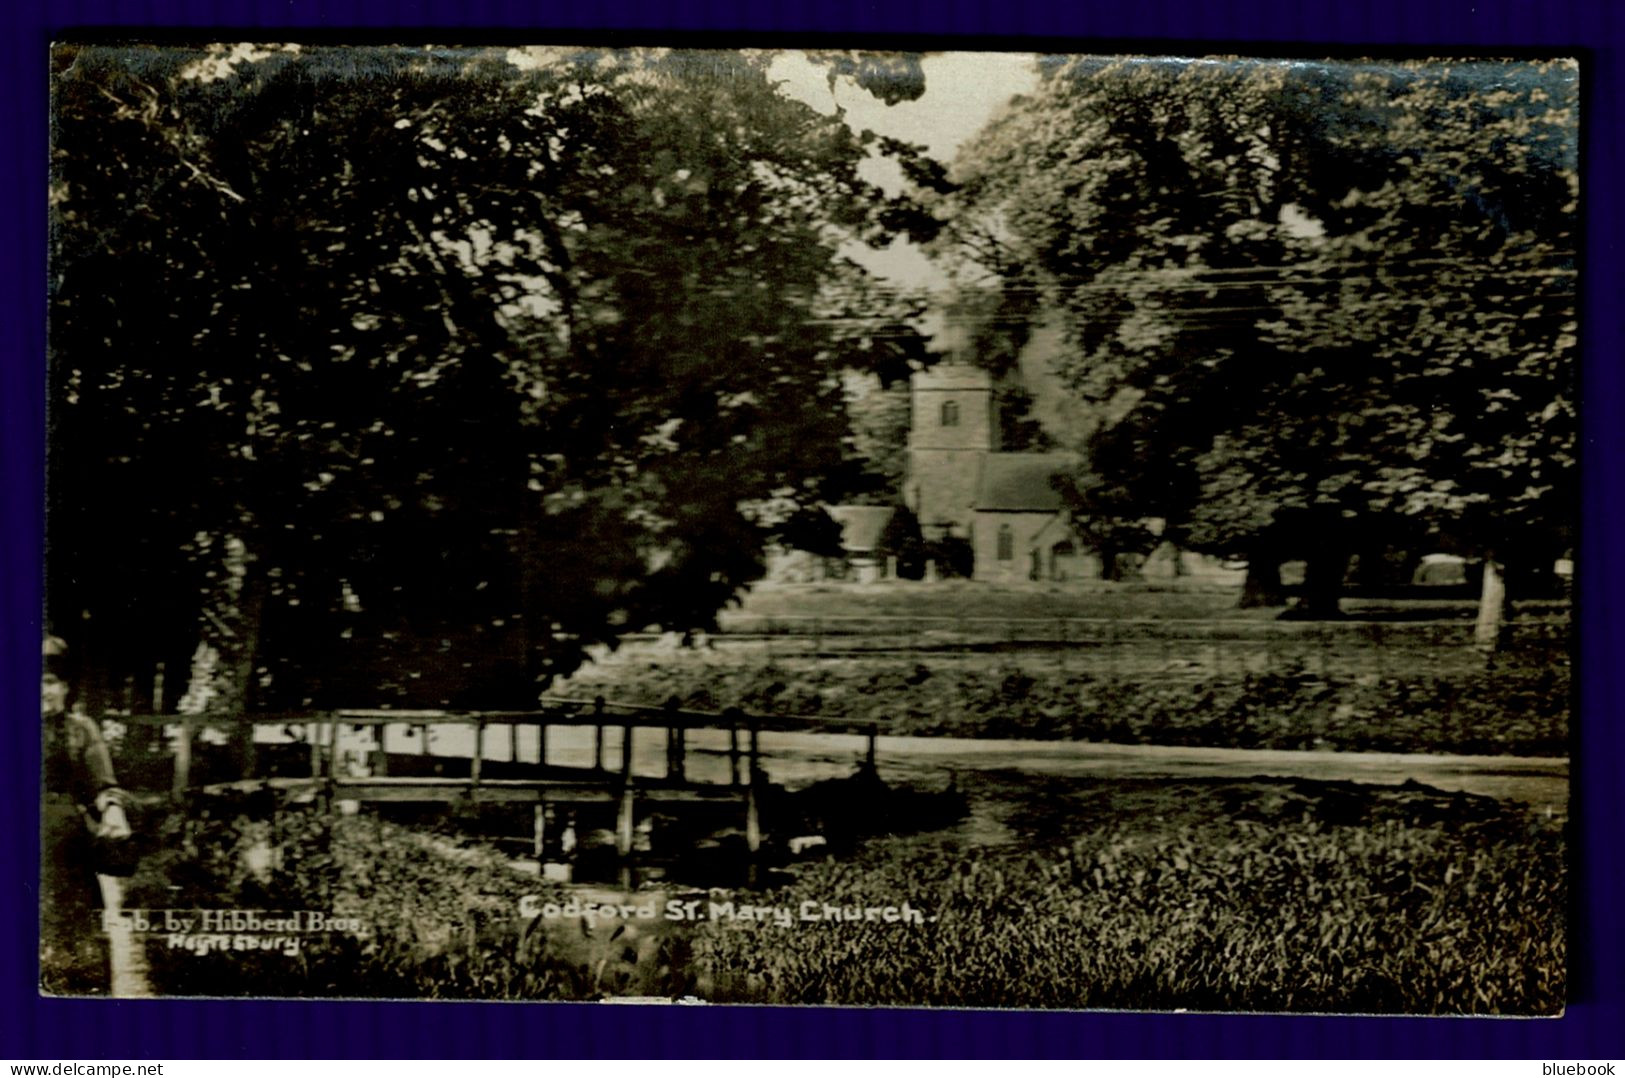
(960, 484)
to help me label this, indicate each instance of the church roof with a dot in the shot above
(1020, 482)
(861, 525)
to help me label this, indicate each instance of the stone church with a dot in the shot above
(960, 484)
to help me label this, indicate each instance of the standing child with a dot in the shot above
(83, 806)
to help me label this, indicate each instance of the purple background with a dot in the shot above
(54, 1029)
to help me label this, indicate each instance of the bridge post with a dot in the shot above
(479, 751)
(538, 828)
(753, 814)
(248, 752)
(753, 821)
(329, 802)
(672, 764)
(869, 754)
(733, 753)
(598, 733)
(333, 769)
(625, 820)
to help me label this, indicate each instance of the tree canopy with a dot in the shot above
(1311, 303)
(388, 366)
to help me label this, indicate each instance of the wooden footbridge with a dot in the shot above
(539, 781)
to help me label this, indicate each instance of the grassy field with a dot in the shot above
(969, 598)
(1170, 667)
(1122, 601)
(1217, 895)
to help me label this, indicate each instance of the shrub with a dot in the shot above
(441, 921)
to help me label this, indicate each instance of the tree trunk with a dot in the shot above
(1263, 584)
(1323, 583)
(155, 734)
(240, 673)
(1493, 608)
(222, 671)
(1372, 572)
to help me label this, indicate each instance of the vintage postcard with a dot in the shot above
(946, 529)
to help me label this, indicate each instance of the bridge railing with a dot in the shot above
(321, 733)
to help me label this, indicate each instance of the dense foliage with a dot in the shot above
(1318, 309)
(439, 920)
(363, 346)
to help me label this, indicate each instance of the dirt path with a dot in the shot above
(1540, 782)
(798, 759)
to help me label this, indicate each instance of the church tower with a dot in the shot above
(951, 430)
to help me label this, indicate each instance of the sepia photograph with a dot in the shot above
(810, 526)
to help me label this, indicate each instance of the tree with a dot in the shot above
(463, 361)
(1107, 202)
(1282, 283)
(881, 418)
(991, 330)
(902, 541)
(1449, 289)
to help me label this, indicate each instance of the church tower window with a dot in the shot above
(950, 413)
(1007, 543)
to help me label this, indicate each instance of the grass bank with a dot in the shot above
(1517, 709)
(1083, 599)
(1300, 897)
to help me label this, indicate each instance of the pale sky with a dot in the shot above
(963, 91)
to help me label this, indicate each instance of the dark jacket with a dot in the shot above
(77, 764)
